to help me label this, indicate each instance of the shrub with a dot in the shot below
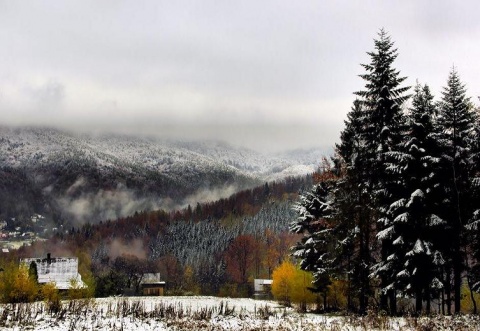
(79, 291)
(51, 297)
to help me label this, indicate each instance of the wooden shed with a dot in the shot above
(151, 285)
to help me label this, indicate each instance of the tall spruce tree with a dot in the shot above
(353, 209)
(383, 120)
(316, 249)
(415, 263)
(454, 128)
(473, 226)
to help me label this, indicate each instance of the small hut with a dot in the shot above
(263, 288)
(151, 284)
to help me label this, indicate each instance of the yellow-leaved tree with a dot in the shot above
(282, 278)
(191, 287)
(290, 285)
(16, 284)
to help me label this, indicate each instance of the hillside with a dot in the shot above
(78, 178)
(194, 248)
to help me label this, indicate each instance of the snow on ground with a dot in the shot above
(205, 313)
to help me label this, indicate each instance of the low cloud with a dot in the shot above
(208, 195)
(92, 207)
(135, 247)
(103, 204)
(79, 183)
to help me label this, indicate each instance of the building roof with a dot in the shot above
(151, 278)
(63, 271)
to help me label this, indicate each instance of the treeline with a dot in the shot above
(215, 248)
(396, 213)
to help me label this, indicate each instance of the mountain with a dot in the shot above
(92, 177)
(264, 167)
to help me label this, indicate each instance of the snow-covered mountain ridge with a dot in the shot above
(36, 146)
(98, 176)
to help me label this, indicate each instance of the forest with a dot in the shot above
(396, 212)
(214, 248)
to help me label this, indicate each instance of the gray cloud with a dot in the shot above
(102, 204)
(131, 65)
(208, 195)
(134, 247)
(47, 97)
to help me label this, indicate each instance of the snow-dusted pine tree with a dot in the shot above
(455, 125)
(354, 209)
(316, 249)
(413, 228)
(473, 226)
(383, 120)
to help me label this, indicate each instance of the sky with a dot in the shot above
(268, 75)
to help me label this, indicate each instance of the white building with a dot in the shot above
(262, 288)
(63, 271)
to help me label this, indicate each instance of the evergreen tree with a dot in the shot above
(407, 185)
(33, 272)
(382, 102)
(354, 210)
(414, 263)
(454, 129)
(316, 248)
(473, 226)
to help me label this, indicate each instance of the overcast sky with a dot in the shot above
(266, 74)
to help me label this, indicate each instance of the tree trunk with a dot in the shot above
(393, 303)
(474, 302)
(418, 301)
(384, 281)
(443, 302)
(448, 289)
(325, 301)
(457, 283)
(349, 287)
(383, 302)
(472, 296)
(362, 295)
(318, 301)
(427, 298)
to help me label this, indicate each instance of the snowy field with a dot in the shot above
(203, 313)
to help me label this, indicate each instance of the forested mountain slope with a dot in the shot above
(78, 178)
(195, 249)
